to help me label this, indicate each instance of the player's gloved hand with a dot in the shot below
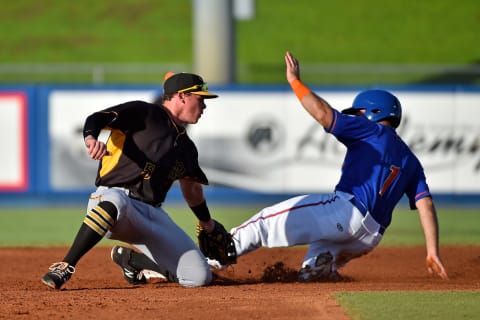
(217, 244)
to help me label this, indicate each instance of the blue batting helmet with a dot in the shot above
(379, 105)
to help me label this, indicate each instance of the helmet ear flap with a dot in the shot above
(394, 121)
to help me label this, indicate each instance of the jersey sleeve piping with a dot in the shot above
(334, 122)
(421, 195)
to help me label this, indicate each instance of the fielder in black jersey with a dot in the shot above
(148, 151)
(143, 148)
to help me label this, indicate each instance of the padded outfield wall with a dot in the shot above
(255, 143)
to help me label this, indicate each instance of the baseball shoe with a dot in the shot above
(59, 273)
(121, 256)
(321, 271)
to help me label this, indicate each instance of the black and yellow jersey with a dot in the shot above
(147, 150)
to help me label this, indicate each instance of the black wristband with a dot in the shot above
(201, 211)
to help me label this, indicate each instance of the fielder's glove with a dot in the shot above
(217, 245)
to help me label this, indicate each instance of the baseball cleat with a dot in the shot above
(121, 256)
(59, 273)
(321, 271)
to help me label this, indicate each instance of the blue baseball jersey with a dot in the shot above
(379, 168)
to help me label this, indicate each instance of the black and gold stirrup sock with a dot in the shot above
(95, 225)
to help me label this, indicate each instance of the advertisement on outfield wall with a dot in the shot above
(265, 141)
(14, 133)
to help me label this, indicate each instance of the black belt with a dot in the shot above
(134, 197)
(381, 230)
(363, 210)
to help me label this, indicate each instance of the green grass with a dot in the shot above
(411, 305)
(58, 226)
(457, 227)
(96, 31)
(160, 31)
(42, 227)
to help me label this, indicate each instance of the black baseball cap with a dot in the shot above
(188, 83)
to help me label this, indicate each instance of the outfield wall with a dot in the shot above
(255, 143)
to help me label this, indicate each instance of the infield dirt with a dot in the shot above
(260, 286)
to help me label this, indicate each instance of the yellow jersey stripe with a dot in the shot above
(114, 146)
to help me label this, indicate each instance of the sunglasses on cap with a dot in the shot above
(197, 87)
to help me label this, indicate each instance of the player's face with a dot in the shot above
(193, 109)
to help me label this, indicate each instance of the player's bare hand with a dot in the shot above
(96, 149)
(293, 67)
(434, 265)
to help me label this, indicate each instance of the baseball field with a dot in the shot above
(389, 283)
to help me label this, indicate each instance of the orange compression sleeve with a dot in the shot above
(299, 89)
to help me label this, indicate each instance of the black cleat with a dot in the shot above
(59, 273)
(121, 256)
